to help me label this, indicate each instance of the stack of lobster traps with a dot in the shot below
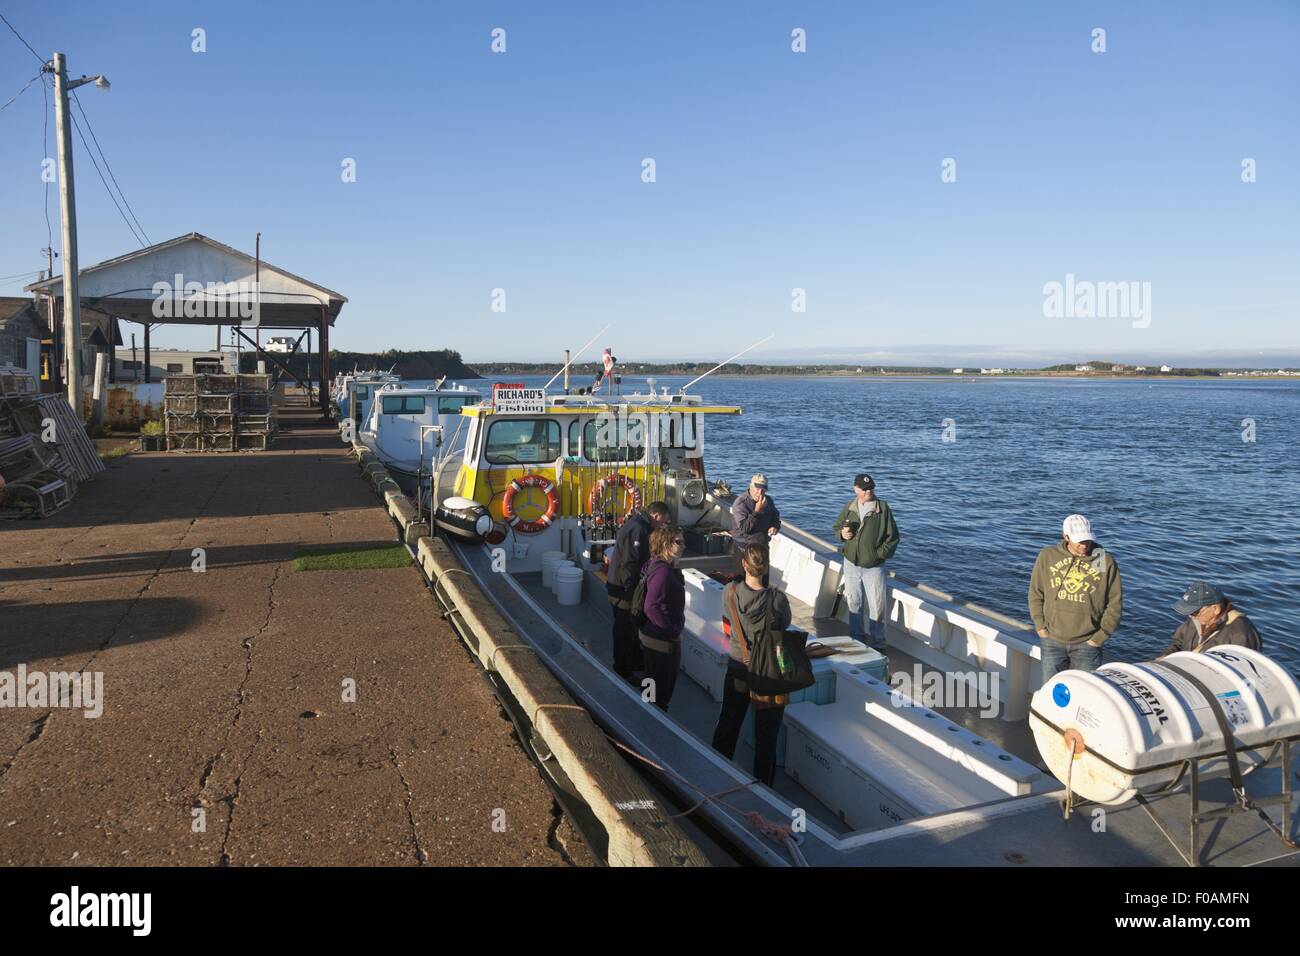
(216, 412)
(45, 452)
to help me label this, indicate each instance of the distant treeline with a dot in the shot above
(586, 371)
(411, 365)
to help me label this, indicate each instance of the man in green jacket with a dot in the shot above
(1075, 599)
(868, 537)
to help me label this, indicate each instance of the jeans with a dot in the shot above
(1059, 657)
(868, 583)
(627, 644)
(662, 668)
(767, 724)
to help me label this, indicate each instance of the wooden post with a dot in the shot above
(147, 366)
(323, 392)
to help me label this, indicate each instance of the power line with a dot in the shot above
(39, 59)
(22, 91)
(95, 163)
(19, 275)
(95, 139)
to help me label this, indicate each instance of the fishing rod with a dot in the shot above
(576, 354)
(683, 389)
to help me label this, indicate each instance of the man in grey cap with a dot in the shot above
(754, 520)
(1210, 620)
(868, 537)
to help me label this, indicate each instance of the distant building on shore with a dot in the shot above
(164, 362)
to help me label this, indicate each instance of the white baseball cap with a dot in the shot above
(1077, 528)
(759, 480)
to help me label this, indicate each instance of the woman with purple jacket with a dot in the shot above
(665, 613)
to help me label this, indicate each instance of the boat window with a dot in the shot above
(611, 440)
(453, 404)
(519, 441)
(363, 391)
(403, 404)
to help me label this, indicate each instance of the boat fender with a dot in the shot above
(464, 518)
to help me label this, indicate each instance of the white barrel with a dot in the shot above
(1140, 723)
(568, 585)
(548, 566)
(555, 570)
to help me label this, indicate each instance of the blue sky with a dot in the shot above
(775, 170)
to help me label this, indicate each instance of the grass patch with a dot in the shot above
(363, 558)
(116, 452)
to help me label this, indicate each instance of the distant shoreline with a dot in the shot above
(585, 373)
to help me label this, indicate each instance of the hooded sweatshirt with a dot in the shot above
(1236, 629)
(753, 608)
(1075, 599)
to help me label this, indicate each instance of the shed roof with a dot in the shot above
(127, 286)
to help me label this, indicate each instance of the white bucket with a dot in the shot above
(549, 558)
(568, 586)
(556, 568)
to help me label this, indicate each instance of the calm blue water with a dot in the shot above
(1160, 468)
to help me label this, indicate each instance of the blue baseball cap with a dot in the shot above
(1199, 594)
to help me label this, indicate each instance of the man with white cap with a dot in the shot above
(754, 520)
(1076, 599)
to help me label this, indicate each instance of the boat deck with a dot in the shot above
(1030, 830)
(592, 622)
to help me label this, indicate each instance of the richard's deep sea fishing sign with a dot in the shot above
(517, 399)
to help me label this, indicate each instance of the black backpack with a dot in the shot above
(777, 661)
(638, 601)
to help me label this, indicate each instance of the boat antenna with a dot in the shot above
(683, 389)
(576, 354)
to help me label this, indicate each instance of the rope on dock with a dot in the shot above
(777, 832)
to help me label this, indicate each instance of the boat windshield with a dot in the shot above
(403, 404)
(512, 441)
(452, 404)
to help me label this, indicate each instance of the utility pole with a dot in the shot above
(68, 208)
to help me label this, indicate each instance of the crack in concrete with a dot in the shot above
(38, 728)
(421, 855)
(231, 799)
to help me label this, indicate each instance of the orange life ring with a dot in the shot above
(617, 478)
(508, 504)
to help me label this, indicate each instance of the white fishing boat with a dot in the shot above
(408, 427)
(869, 773)
(352, 395)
